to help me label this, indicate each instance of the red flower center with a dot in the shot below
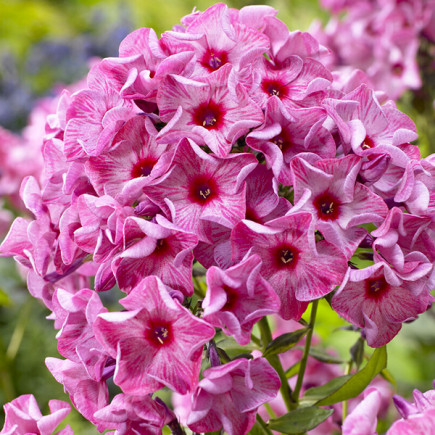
(208, 115)
(283, 141)
(375, 288)
(160, 334)
(274, 88)
(232, 298)
(328, 207)
(162, 247)
(286, 256)
(367, 143)
(213, 60)
(202, 190)
(142, 168)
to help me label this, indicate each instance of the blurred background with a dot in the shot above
(46, 45)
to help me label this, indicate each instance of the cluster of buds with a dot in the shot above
(216, 176)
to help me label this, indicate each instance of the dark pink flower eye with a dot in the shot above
(274, 88)
(142, 168)
(202, 190)
(208, 115)
(286, 256)
(213, 60)
(283, 141)
(368, 143)
(327, 206)
(160, 334)
(232, 298)
(376, 287)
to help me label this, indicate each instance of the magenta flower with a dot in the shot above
(157, 248)
(75, 315)
(23, 417)
(417, 417)
(133, 415)
(370, 301)
(338, 203)
(298, 269)
(157, 342)
(206, 111)
(237, 45)
(86, 394)
(203, 187)
(287, 133)
(238, 297)
(368, 128)
(296, 82)
(94, 116)
(133, 161)
(229, 396)
(363, 419)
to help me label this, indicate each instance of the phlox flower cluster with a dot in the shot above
(378, 41)
(217, 175)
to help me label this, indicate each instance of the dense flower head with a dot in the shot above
(214, 176)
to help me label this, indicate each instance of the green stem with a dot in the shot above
(304, 359)
(17, 335)
(348, 369)
(197, 287)
(266, 338)
(263, 424)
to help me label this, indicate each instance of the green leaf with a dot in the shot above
(223, 355)
(313, 395)
(360, 380)
(357, 352)
(5, 300)
(300, 420)
(284, 342)
(323, 356)
(293, 370)
(388, 376)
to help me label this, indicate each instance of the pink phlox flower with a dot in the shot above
(363, 419)
(94, 116)
(24, 417)
(296, 82)
(216, 39)
(86, 394)
(298, 269)
(133, 161)
(253, 15)
(203, 187)
(373, 300)
(142, 64)
(229, 395)
(403, 244)
(157, 342)
(365, 126)
(217, 250)
(418, 417)
(206, 110)
(101, 226)
(74, 316)
(157, 248)
(284, 43)
(238, 297)
(287, 133)
(262, 200)
(19, 158)
(338, 203)
(133, 415)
